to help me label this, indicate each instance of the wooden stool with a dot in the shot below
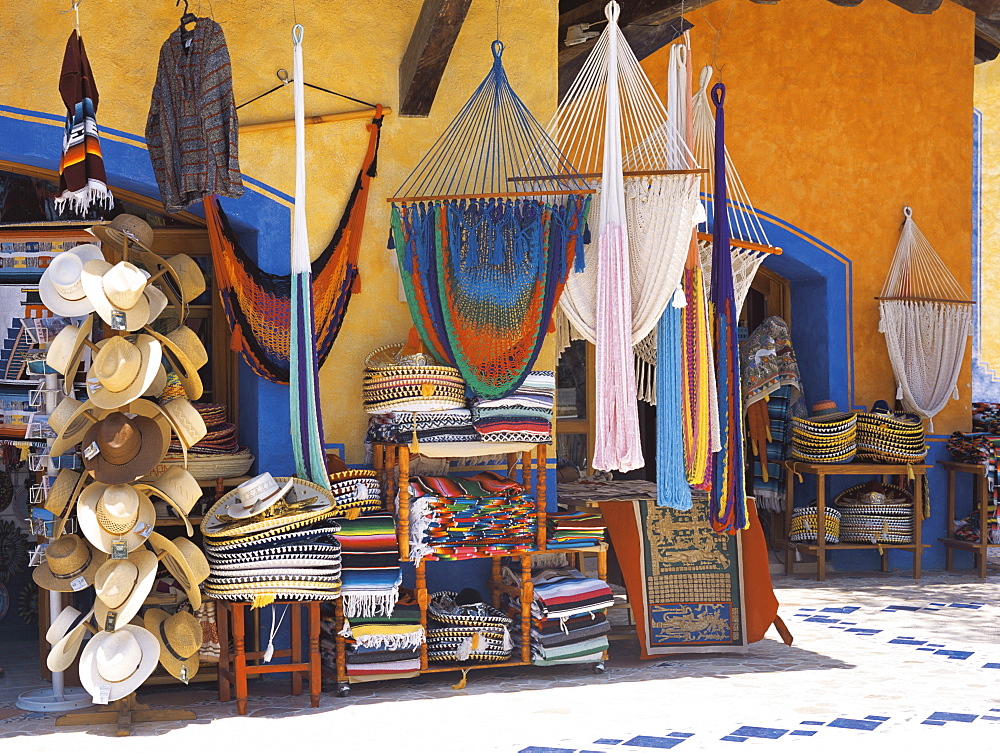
(234, 669)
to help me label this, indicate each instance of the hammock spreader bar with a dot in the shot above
(258, 303)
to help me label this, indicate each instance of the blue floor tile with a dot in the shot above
(606, 741)
(924, 648)
(907, 642)
(803, 732)
(841, 610)
(680, 734)
(769, 733)
(898, 608)
(818, 724)
(947, 716)
(862, 724)
(990, 718)
(646, 741)
(992, 665)
(951, 654)
(734, 739)
(936, 724)
(817, 618)
(544, 749)
(878, 718)
(966, 606)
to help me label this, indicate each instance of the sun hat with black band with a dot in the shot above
(65, 635)
(122, 370)
(114, 513)
(122, 586)
(185, 561)
(256, 495)
(180, 637)
(120, 448)
(70, 565)
(113, 665)
(125, 227)
(61, 286)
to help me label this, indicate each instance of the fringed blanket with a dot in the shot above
(369, 565)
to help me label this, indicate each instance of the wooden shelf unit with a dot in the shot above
(823, 471)
(980, 502)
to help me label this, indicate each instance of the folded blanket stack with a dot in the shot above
(400, 427)
(981, 448)
(370, 571)
(569, 624)
(571, 530)
(461, 518)
(378, 646)
(523, 416)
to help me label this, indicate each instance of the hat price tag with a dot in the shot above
(94, 385)
(118, 320)
(110, 621)
(119, 550)
(91, 451)
(79, 583)
(142, 528)
(184, 674)
(102, 694)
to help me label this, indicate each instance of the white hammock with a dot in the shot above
(611, 110)
(926, 318)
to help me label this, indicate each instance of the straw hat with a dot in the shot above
(256, 495)
(186, 421)
(178, 488)
(66, 350)
(126, 448)
(113, 665)
(70, 420)
(149, 409)
(185, 561)
(70, 565)
(185, 356)
(184, 280)
(126, 226)
(180, 637)
(122, 586)
(122, 370)
(158, 384)
(62, 491)
(66, 636)
(61, 288)
(107, 514)
(116, 292)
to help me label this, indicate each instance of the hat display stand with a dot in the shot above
(122, 442)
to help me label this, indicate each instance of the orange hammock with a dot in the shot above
(258, 304)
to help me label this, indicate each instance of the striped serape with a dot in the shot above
(370, 569)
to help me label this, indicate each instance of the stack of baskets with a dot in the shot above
(885, 436)
(825, 438)
(394, 382)
(875, 513)
(805, 525)
(466, 632)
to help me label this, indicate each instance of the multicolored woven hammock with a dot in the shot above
(258, 303)
(486, 228)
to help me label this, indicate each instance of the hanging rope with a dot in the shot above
(926, 318)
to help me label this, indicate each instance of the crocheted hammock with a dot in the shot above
(258, 303)
(483, 265)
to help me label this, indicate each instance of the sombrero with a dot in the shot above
(122, 586)
(301, 536)
(180, 637)
(65, 635)
(304, 503)
(116, 293)
(70, 565)
(113, 665)
(61, 286)
(185, 561)
(123, 370)
(110, 513)
(121, 448)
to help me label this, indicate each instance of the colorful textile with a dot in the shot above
(83, 184)
(767, 362)
(400, 427)
(561, 594)
(220, 437)
(728, 495)
(370, 565)
(696, 365)
(673, 489)
(769, 476)
(575, 529)
(482, 277)
(258, 303)
(191, 130)
(523, 416)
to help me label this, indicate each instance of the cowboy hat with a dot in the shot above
(180, 637)
(178, 488)
(116, 292)
(119, 448)
(183, 280)
(65, 635)
(186, 421)
(61, 288)
(66, 350)
(157, 301)
(62, 498)
(122, 370)
(256, 495)
(126, 226)
(70, 564)
(113, 665)
(118, 512)
(122, 586)
(181, 357)
(185, 561)
(158, 384)
(70, 421)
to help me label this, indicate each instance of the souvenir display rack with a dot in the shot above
(980, 503)
(822, 471)
(393, 464)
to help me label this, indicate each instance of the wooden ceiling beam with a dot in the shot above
(987, 10)
(427, 54)
(987, 40)
(918, 6)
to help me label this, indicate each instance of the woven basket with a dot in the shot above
(212, 467)
(805, 525)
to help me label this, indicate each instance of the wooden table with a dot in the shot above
(980, 500)
(234, 669)
(823, 471)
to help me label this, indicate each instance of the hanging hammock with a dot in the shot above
(614, 127)
(486, 228)
(258, 303)
(926, 318)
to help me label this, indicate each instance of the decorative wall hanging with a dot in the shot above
(926, 318)
(615, 128)
(486, 228)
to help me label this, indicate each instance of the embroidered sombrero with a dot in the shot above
(805, 525)
(265, 542)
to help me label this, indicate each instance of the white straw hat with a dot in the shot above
(186, 355)
(61, 288)
(185, 561)
(178, 488)
(107, 514)
(122, 586)
(116, 292)
(66, 636)
(256, 495)
(113, 665)
(66, 350)
(122, 370)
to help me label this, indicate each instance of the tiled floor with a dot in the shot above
(879, 663)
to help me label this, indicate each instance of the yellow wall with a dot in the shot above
(837, 117)
(352, 47)
(988, 103)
